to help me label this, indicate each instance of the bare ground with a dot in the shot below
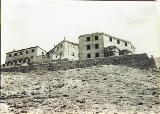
(105, 88)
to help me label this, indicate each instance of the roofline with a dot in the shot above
(117, 38)
(42, 49)
(61, 42)
(69, 42)
(25, 49)
(120, 39)
(83, 35)
(106, 35)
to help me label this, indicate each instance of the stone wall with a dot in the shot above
(23, 69)
(141, 61)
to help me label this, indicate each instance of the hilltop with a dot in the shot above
(100, 88)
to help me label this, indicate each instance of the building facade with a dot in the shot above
(102, 45)
(28, 55)
(65, 50)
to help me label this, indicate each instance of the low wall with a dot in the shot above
(141, 61)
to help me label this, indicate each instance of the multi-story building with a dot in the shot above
(102, 45)
(64, 50)
(27, 55)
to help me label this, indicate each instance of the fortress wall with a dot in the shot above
(141, 61)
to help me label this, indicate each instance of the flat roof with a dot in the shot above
(25, 49)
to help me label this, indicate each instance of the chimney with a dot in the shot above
(64, 38)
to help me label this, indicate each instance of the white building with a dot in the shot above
(64, 50)
(102, 45)
(27, 55)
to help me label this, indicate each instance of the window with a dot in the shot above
(110, 39)
(96, 46)
(10, 55)
(88, 55)
(32, 57)
(32, 50)
(96, 37)
(125, 44)
(97, 55)
(43, 56)
(61, 45)
(118, 42)
(72, 54)
(11, 63)
(88, 39)
(88, 47)
(15, 54)
(3, 65)
(20, 53)
(26, 52)
(42, 53)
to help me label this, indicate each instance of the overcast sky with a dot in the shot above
(27, 23)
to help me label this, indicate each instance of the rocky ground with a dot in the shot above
(105, 88)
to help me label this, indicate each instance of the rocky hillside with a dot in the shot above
(105, 88)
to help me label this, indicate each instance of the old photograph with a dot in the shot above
(80, 57)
